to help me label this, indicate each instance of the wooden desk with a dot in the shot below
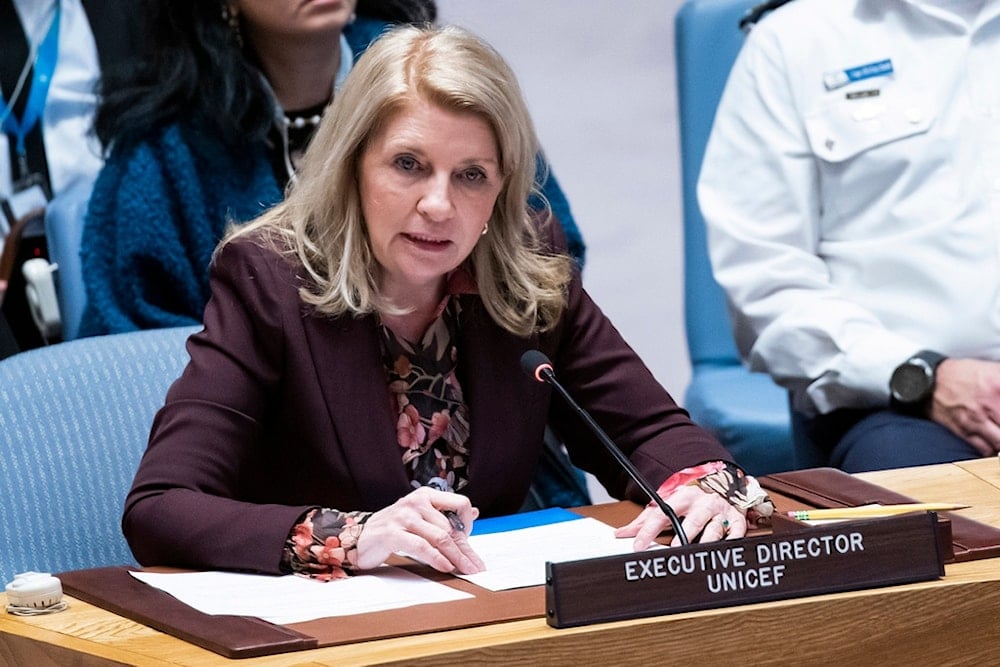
(950, 620)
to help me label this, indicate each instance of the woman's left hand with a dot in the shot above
(707, 513)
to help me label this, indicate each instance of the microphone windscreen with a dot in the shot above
(532, 361)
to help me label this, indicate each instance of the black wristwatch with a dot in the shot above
(912, 383)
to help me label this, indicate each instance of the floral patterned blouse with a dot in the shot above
(432, 430)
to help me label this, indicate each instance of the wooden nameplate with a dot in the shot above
(816, 560)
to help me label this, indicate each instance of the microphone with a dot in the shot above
(537, 366)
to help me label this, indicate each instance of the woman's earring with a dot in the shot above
(232, 18)
(486, 228)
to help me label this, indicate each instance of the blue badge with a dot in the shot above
(839, 78)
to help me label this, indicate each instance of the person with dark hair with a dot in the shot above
(357, 376)
(208, 129)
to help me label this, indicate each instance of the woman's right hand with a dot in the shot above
(417, 526)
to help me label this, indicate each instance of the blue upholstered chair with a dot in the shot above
(54, 287)
(74, 421)
(746, 411)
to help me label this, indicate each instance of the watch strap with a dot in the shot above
(932, 358)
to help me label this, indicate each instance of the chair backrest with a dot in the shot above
(64, 232)
(74, 421)
(707, 40)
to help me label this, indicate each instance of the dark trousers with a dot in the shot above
(861, 440)
(8, 344)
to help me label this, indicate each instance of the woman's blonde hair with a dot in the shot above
(321, 223)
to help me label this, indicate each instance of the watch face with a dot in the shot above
(911, 382)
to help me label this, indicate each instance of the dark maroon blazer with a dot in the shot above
(280, 410)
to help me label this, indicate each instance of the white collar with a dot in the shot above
(970, 14)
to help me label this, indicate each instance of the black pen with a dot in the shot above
(456, 523)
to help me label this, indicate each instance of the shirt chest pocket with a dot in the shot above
(841, 128)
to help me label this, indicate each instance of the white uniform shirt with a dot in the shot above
(71, 149)
(855, 224)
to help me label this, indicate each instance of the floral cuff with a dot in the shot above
(324, 544)
(730, 482)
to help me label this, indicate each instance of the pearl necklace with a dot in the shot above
(302, 121)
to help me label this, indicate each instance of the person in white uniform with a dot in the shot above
(851, 188)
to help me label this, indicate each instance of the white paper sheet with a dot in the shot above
(517, 558)
(514, 559)
(293, 599)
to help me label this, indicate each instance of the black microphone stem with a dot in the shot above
(550, 377)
